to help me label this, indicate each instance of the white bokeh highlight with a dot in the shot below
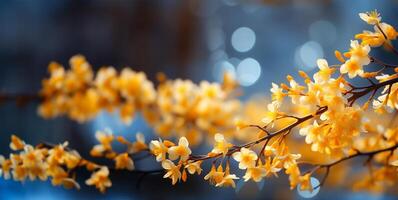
(243, 39)
(307, 54)
(248, 71)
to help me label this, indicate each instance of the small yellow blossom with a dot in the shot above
(324, 73)
(215, 176)
(352, 67)
(272, 113)
(194, 167)
(105, 140)
(139, 144)
(360, 52)
(256, 173)
(294, 175)
(305, 182)
(371, 18)
(159, 149)
(5, 167)
(221, 145)
(173, 171)
(123, 161)
(277, 93)
(246, 158)
(228, 179)
(229, 82)
(16, 143)
(126, 112)
(181, 151)
(100, 179)
(272, 167)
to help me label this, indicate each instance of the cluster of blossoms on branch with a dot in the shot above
(175, 108)
(333, 117)
(57, 162)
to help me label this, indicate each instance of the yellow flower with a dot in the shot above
(123, 161)
(105, 140)
(33, 163)
(228, 179)
(211, 90)
(84, 106)
(269, 150)
(100, 179)
(277, 93)
(324, 73)
(370, 38)
(60, 177)
(126, 112)
(16, 143)
(106, 82)
(72, 159)
(229, 82)
(352, 67)
(305, 182)
(181, 151)
(159, 149)
(135, 87)
(272, 113)
(19, 173)
(294, 175)
(56, 154)
(371, 18)
(360, 52)
(215, 176)
(246, 158)
(272, 167)
(139, 144)
(194, 167)
(5, 167)
(173, 171)
(388, 30)
(221, 145)
(255, 173)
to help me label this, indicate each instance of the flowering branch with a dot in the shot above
(323, 106)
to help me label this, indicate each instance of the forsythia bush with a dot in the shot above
(335, 118)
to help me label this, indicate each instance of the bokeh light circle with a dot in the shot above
(243, 39)
(309, 194)
(307, 55)
(248, 71)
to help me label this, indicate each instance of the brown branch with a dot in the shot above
(370, 155)
(368, 89)
(268, 137)
(375, 60)
(20, 99)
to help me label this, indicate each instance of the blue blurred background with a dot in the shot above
(259, 41)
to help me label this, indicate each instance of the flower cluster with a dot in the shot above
(122, 160)
(55, 162)
(81, 95)
(175, 108)
(383, 32)
(187, 109)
